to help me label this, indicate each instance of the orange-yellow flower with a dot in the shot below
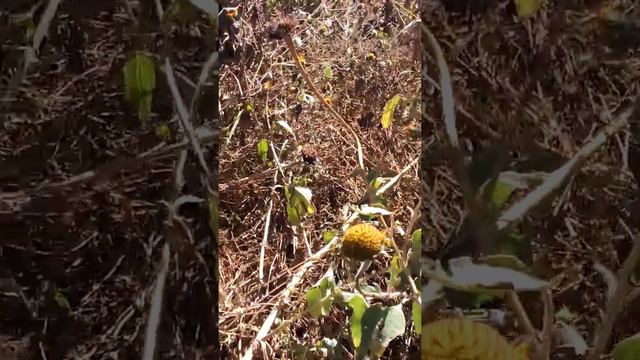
(362, 241)
(465, 339)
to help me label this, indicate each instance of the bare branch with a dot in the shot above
(616, 302)
(153, 323)
(556, 178)
(184, 118)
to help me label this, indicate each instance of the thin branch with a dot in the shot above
(547, 323)
(396, 178)
(294, 53)
(204, 75)
(263, 245)
(404, 258)
(616, 303)
(556, 178)
(516, 305)
(448, 103)
(265, 234)
(30, 53)
(103, 171)
(156, 307)
(286, 293)
(184, 118)
(485, 233)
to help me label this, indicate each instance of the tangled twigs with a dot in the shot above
(30, 53)
(476, 208)
(558, 177)
(283, 31)
(615, 303)
(284, 297)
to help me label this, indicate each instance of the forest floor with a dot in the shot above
(85, 184)
(531, 93)
(360, 55)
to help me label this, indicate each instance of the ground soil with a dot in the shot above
(82, 185)
(547, 84)
(367, 71)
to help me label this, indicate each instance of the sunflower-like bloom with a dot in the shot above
(362, 242)
(464, 339)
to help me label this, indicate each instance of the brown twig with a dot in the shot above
(294, 53)
(516, 305)
(557, 178)
(616, 302)
(547, 323)
(30, 53)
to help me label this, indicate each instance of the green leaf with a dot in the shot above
(263, 149)
(394, 270)
(163, 131)
(318, 305)
(416, 249)
(320, 297)
(315, 305)
(370, 321)
(144, 107)
(627, 349)
(358, 305)
(528, 8)
(389, 108)
(416, 317)
(508, 181)
(377, 182)
(394, 324)
(514, 243)
(301, 199)
(292, 215)
(61, 300)
(328, 236)
(139, 82)
(565, 315)
(327, 71)
(500, 193)
(139, 77)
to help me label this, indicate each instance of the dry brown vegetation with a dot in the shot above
(370, 48)
(536, 91)
(83, 183)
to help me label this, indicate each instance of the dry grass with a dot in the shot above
(342, 35)
(89, 179)
(552, 81)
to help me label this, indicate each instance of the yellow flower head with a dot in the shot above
(465, 339)
(362, 242)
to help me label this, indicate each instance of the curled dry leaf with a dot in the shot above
(568, 337)
(466, 274)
